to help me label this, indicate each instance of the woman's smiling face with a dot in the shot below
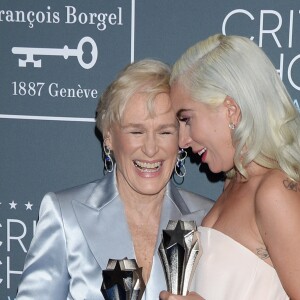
(204, 129)
(145, 146)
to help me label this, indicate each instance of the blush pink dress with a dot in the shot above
(229, 271)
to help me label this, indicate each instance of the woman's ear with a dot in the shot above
(233, 110)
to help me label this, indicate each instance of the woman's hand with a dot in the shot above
(164, 295)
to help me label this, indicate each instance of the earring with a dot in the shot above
(108, 162)
(179, 168)
(232, 126)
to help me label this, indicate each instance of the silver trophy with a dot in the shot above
(122, 280)
(180, 252)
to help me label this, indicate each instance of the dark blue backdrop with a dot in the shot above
(47, 127)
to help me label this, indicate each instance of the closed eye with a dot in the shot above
(183, 115)
(168, 129)
(185, 120)
(133, 128)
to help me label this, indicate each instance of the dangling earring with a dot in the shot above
(232, 126)
(108, 162)
(179, 168)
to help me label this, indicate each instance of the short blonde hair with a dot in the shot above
(147, 76)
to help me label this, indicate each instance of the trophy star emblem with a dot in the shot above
(179, 254)
(122, 279)
(115, 276)
(176, 236)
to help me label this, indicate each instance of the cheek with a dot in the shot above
(228, 142)
(170, 145)
(173, 152)
(225, 136)
(122, 142)
(198, 131)
(170, 148)
(121, 148)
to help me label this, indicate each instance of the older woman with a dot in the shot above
(121, 215)
(235, 112)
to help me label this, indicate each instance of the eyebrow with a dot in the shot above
(141, 126)
(135, 125)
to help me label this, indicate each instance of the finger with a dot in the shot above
(195, 296)
(163, 295)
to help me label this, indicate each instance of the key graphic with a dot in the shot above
(65, 52)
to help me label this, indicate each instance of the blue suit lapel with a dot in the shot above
(102, 221)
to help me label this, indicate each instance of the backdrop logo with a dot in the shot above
(65, 52)
(70, 16)
(279, 26)
(16, 235)
(264, 16)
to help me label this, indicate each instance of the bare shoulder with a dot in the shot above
(277, 210)
(277, 207)
(276, 189)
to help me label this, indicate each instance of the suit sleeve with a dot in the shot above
(45, 275)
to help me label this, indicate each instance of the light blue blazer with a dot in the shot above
(80, 229)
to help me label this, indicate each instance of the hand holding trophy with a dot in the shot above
(122, 280)
(180, 252)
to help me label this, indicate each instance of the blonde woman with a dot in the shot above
(235, 112)
(122, 214)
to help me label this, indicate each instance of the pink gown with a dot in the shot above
(229, 271)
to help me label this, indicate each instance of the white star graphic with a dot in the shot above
(28, 205)
(13, 204)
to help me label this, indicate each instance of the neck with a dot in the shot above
(140, 204)
(253, 169)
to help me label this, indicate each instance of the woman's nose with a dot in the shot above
(184, 138)
(150, 146)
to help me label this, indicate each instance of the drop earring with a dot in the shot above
(108, 162)
(179, 168)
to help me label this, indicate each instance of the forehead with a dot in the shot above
(180, 98)
(182, 102)
(140, 106)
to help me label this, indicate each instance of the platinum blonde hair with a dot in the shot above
(234, 66)
(147, 76)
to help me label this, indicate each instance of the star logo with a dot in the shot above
(13, 205)
(115, 276)
(122, 279)
(28, 205)
(176, 236)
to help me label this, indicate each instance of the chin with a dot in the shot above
(152, 188)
